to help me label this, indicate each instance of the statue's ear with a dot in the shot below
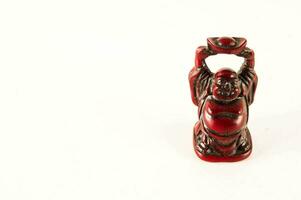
(227, 45)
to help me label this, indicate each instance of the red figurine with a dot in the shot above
(223, 98)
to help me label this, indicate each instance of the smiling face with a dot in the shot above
(226, 85)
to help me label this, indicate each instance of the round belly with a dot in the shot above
(224, 118)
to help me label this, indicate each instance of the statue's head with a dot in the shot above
(226, 85)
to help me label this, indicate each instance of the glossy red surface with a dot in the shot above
(225, 118)
(221, 134)
(225, 44)
(226, 41)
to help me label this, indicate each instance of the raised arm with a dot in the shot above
(247, 75)
(199, 75)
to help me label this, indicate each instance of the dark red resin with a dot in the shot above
(221, 134)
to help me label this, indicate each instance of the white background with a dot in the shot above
(95, 102)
